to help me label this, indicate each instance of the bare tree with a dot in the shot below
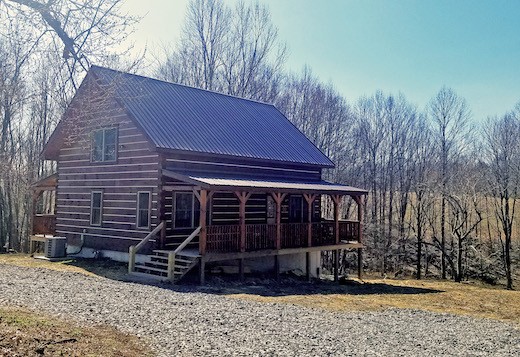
(450, 117)
(86, 30)
(235, 51)
(502, 145)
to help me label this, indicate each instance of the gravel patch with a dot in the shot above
(192, 323)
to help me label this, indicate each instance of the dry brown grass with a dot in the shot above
(437, 296)
(89, 267)
(27, 333)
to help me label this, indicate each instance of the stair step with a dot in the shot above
(164, 261)
(161, 251)
(156, 264)
(148, 276)
(159, 270)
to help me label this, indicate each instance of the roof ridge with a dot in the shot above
(181, 85)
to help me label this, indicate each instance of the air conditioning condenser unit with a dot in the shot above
(55, 247)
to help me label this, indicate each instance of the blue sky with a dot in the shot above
(413, 47)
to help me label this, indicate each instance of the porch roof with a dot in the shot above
(250, 184)
(47, 183)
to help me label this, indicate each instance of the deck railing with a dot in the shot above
(260, 236)
(294, 235)
(221, 239)
(226, 238)
(44, 224)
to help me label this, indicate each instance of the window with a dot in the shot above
(143, 209)
(104, 145)
(96, 208)
(186, 210)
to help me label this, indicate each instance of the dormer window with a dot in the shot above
(104, 145)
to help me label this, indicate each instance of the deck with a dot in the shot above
(263, 237)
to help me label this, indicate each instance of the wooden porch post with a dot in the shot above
(242, 198)
(310, 200)
(360, 234)
(336, 199)
(278, 198)
(203, 200)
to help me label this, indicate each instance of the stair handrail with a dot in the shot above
(187, 240)
(135, 248)
(172, 254)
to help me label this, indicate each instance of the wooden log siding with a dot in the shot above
(136, 169)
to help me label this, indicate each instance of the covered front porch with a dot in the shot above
(293, 222)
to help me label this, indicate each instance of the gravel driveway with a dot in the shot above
(195, 323)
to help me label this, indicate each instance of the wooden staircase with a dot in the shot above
(168, 265)
(157, 265)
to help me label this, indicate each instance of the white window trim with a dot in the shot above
(149, 210)
(103, 145)
(100, 208)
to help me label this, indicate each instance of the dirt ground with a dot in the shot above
(30, 333)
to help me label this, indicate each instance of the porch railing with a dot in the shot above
(226, 238)
(294, 235)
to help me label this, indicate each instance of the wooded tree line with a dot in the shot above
(442, 190)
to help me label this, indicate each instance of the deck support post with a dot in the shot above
(278, 198)
(202, 271)
(277, 267)
(336, 265)
(336, 199)
(171, 266)
(310, 200)
(131, 259)
(241, 269)
(242, 198)
(360, 234)
(308, 266)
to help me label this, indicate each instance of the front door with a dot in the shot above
(295, 209)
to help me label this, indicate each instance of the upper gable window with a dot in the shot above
(104, 145)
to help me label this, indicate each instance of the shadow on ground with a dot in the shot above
(262, 285)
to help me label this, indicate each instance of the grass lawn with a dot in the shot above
(431, 295)
(27, 333)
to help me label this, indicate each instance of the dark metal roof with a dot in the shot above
(231, 184)
(184, 118)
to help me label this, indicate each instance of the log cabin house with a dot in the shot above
(169, 177)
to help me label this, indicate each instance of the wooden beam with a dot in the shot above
(308, 266)
(242, 198)
(181, 188)
(336, 264)
(277, 267)
(359, 203)
(278, 199)
(241, 268)
(203, 200)
(336, 199)
(202, 271)
(212, 257)
(310, 200)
